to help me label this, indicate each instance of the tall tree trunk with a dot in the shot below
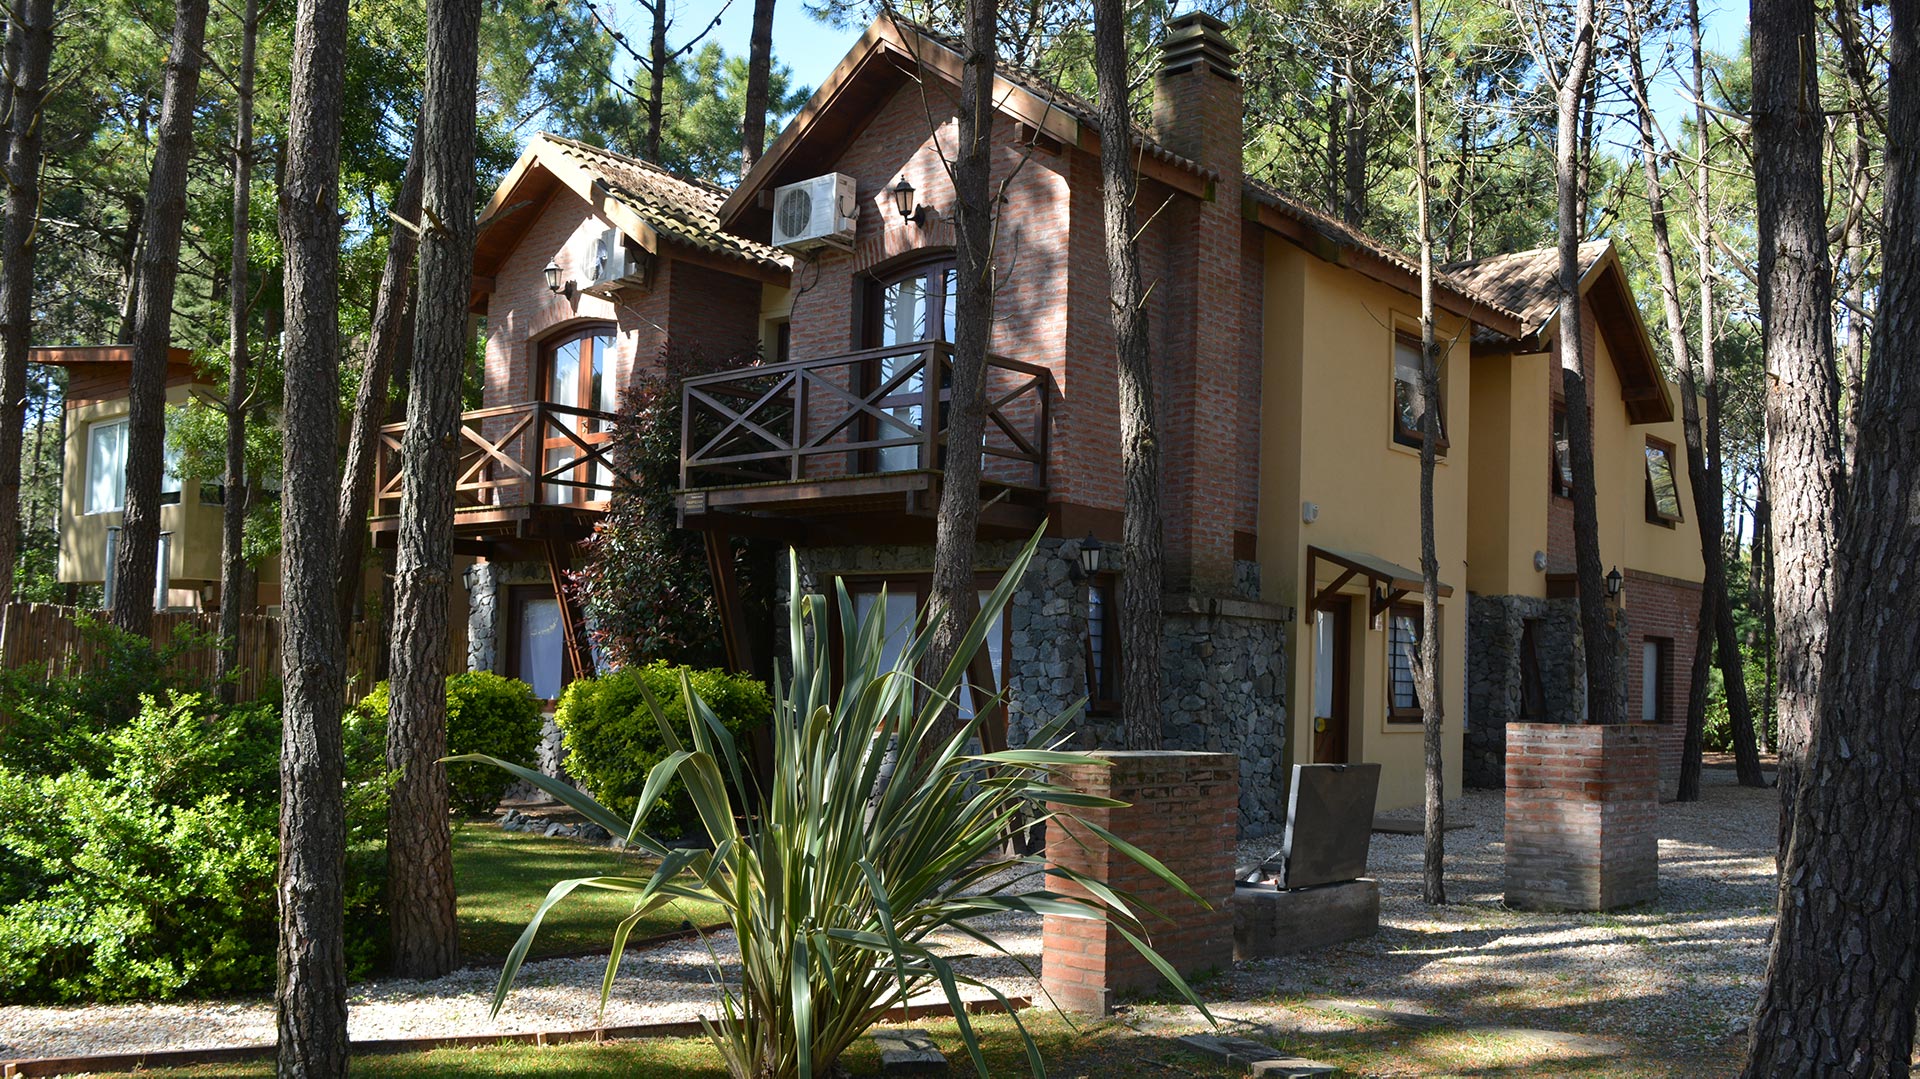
(753, 128)
(420, 905)
(657, 81)
(1336, 134)
(1806, 474)
(30, 52)
(1433, 882)
(1606, 698)
(958, 521)
(1353, 203)
(159, 268)
(370, 399)
(312, 994)
(1841, 990)
(237, 497)
(1140, 582)
(1706, 493)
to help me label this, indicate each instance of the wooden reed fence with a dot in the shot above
(49, 638)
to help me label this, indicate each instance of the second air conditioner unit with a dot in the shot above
(609, 263)
(820, 212)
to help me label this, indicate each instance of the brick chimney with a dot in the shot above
(1210, 414)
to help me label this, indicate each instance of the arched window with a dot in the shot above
(576, 374)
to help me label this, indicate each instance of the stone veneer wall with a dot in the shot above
(1223, 667)
(1581, 816)
(1494, 628)
(1181, 809)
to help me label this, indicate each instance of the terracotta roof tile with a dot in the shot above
(1527, 282)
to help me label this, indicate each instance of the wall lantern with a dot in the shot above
(903, 201)
(553, 276)
(1613, 583)
(1092, 557)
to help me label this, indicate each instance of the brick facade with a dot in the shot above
(1182, 810)
(1582, 804)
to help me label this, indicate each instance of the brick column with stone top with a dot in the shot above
(1582, 815)
(1183, 809)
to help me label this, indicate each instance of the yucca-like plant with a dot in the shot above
(878, 831)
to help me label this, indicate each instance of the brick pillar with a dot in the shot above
(1582, 809)
(1183, 808)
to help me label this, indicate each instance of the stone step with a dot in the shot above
(1259, 1059)
(909, 1052)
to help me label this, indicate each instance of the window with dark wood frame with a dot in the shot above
(1406, 394)
(511, 658)
(1656, 683)
(576, 370)
(905, 305)
(1663, 486)
(1560, 455)
(1404, 622)
(916, 586)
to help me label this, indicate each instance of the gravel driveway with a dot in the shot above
(1680, 972)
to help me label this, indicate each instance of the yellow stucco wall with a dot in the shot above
(1327, 438)
(194, 554)
(1508, 484)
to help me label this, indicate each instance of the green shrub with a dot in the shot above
(154, 877)
(613, 741)
(486, 713)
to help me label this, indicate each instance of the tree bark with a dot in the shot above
(753, 128)
(1700, 467)
(370, 399)
(657, 80)
(1806, 473)
(30, 53)
(1353, 202)
(1841, 991)
(311, 1000)
(1606, 698)
(1142, 526)
(952, 592)
(159, 269)
(237, 493)
(420, 906)
(1433, 882)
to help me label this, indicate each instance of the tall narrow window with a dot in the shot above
(1407, 412)
(539, 652)
(1103, 648)
(1403, 659)
(1533, 695)
(1655, 665)
(906, 309)
(1561, 467)
(580, 378)
(1663, 493)
(107, 466)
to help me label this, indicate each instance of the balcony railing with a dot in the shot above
(516, 457)
(876, 412)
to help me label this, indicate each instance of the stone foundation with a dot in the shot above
(1581, 816)
(1183, 810)
(1223, 661)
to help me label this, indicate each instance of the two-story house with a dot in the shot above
(1284, 343)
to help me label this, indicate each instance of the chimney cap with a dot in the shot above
(1195, 37)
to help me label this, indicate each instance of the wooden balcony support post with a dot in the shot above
(726, 589)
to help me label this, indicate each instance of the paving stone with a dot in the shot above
(909, 1052)
(1258, 1058)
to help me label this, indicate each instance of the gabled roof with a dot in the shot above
(1337, 242)
(1529, 282)
(893, 52)
(646, 202)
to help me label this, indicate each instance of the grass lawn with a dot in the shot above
(503, 876)
(1106, 1049)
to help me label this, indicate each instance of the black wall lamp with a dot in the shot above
(903, 201)
(554, 284)
(1614, 581)
(1092, 557)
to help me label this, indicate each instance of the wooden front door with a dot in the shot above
(579, 375)
(1331, 644)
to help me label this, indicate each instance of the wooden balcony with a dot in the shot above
(857, 440)
(537, 471)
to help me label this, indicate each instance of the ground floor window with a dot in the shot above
(536, 652)
(1404, 622)
(1103, 646)
(1656, 666)
(904, 597)
(1533, 695)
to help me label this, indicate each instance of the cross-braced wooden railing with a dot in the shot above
(538, 453)
(858, 413)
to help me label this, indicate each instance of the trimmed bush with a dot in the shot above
(486, 713)
(151, 874)
(613, 740)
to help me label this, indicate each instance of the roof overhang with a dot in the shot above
(1386, 581)
(1370, 264)
(891, 54)
(1609, 295)
(74, 355)
(522, 197)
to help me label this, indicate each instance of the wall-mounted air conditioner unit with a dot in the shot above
(815, 213)
(608, 264)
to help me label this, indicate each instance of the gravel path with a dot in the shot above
(1683, 970)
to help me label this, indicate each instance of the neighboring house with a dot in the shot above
(1284, 344)
(94, 483)
(1525, 655)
